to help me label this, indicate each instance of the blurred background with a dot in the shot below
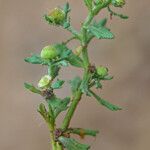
(23, 31)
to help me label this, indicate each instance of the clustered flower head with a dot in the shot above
(57, 15)
(102, 71)
(49, 52)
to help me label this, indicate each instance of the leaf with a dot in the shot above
(66, 8)
(65, 53)
(108, 77)
(75, 60)
(31, 88)
(42, 110)
(58, 105)
(85, 85)
(63, 50)
(71, 144)
(98, 84)
(36, 59)
(82, 132)
(101, 33)
(48, 19)
(75, 83)
(88, 3)
(58, 84)
(105, 103)
(101, 23)
(62, 63)
(97, 2)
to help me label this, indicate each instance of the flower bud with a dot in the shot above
(102, 71)
(57, 15)
(44, 81)
(49, 52)
(118, 3)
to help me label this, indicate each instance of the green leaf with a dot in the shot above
(105, 103)
(58, 105)
(71, 144)
(88, 3)
(48, 19)
(44, 113)
(36, 59)
(66, 54)
(82, 132)
(98, 84)
(85, 85)
(66, 8)
(58, 84)
(63, 50)
(101, 23)
(101, 33)
(75, 60)
(97, 2)
(108, 77)
(75, 83)
(31, 88)
(62, 63)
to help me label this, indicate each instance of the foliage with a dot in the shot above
(58, 55)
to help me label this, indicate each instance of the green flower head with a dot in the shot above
(45, 81)
(102, 71)
(49, 52)
(57, 16)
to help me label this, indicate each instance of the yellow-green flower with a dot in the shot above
(102, 71)
(45, 81)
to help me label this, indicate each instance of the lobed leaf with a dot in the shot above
(105, 103)
(36, 59)
(75, 60)
(58, 84)
(71, 144)
(100, 24)
(58, 105)
(101, 33)
(88, 3)
(82, 132)
(75, 83)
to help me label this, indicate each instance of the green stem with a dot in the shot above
(51, 126)
(75, 101)
(74, 32)
(70, 39)
(78, 94)
(52, 136)
(101, 6)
